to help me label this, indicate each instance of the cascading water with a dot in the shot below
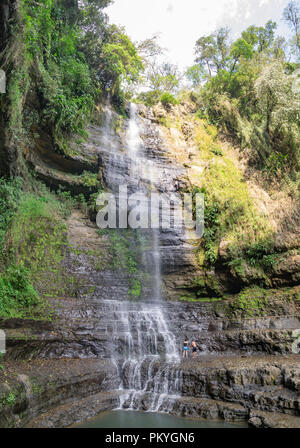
(144, 347)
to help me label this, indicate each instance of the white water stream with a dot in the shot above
(149, 369)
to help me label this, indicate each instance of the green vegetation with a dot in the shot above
(231, 215)
(8, 399)
(69, 59)
(37, 238)
(89, 179)
(33, 245)
(250, 302)
(2, 367)
(230, 212)
(249, 93)
(135, 288)
(168, 99)
(18, 297)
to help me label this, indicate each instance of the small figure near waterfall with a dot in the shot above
(194, 349)
(185, 348)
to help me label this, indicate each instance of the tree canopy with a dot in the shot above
(291, 15)
(249, 87)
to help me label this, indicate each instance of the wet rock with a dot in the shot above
(39, 386)
(260, 419)
(255, 422)
(77, 411)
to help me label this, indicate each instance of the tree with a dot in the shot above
(279, 48)
(118, 60)
(240, 49)
(261, 37)
(291, 16)
(163, 77)
(250, 35)
(149, 49)
(158, 77)
(278, 103)
(195, 74)
(212, 51)
(94, 27)
(266, 35)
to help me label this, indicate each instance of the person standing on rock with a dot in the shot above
(194, 349)
(185, 348)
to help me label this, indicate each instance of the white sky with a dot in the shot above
(181, 22)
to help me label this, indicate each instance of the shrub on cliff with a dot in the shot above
(167, 99)
(18, 298)
(33, 240)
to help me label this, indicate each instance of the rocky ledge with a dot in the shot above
(263, 390)
(256, 389)
(29, 390)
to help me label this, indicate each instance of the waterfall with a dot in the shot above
(144, 347)
(134, 141)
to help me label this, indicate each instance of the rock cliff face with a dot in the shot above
(8, 153)
(90, 322)
(174, 145)
(73, 361)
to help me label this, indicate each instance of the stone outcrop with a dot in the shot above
(87, 328)
(261, 419)
(33, 388)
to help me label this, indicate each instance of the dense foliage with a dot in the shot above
(67, 55)
(32, 246)
(250, 91)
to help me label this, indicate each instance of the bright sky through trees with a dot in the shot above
(181, 22)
